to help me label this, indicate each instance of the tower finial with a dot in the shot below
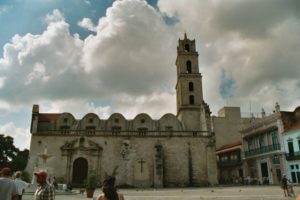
(185, 37)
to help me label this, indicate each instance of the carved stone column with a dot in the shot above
(158, 167)
(212, 169)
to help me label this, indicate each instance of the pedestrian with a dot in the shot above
(44, 191)
(8, 189)
(109, 190)
(284, 185)
(20, 184)
(54, 183)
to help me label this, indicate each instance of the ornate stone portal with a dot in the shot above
(81, 148)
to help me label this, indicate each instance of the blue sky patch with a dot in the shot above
(226, 85)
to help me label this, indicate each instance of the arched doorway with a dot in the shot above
(80, 171)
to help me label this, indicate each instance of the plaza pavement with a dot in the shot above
(209, 193)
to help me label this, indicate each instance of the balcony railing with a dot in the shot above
(261, 150)
(229, 163)
(293, 156)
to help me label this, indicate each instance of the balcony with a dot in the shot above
(293, 156)
(229, 163)
(261, 150)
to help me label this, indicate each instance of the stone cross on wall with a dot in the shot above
(141, 161)
(45, 156)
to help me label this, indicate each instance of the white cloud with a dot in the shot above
(254, 43)
(78, 108)
(45, 65)
(3, 9)
(87, 2)
(21, 135)
(55, 16)
(155, 104)
(39, 72)
(128, 53)
(2, 79)
(131, 54)
(87, 23)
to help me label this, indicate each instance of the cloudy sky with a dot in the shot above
(106, 56)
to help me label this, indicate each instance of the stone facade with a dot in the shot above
(140, 152)
(264, 156)
(291, 144)
(226, 125)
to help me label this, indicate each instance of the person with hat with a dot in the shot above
(109, 190)
(20, 184)
(44, 191)
(8, 189)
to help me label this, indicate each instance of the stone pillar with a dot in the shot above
(190, 167)
(158, 167)
(69, 166)
(212, 172)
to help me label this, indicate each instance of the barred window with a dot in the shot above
(90, 130)
(116, 129)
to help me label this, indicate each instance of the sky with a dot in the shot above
(106, 56)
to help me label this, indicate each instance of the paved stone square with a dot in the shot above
(218, 193)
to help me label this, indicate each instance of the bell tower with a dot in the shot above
(189, 85)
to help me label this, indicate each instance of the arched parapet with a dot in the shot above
(90, 121)
(169, 122)
(65, 122)
(297, 113)
(116, 123)
(143, 122)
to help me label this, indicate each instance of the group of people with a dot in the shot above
(12, 189)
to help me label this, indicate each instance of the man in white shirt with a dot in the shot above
(20, 184)
(8, 189)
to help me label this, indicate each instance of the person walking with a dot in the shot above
(284, 185)
(54, 183)
(20, 184)
(44, 191)
(8, 189)
(109, 190)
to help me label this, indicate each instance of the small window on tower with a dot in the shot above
(187, 48)
(192, 100)
(191, 86)
(189, 66)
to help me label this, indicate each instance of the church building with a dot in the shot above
(172, 151)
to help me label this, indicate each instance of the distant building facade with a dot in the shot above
(230, 165)
(291, 143)
(229, 144)
(226, 125)
(142, 152)
(263, 144)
